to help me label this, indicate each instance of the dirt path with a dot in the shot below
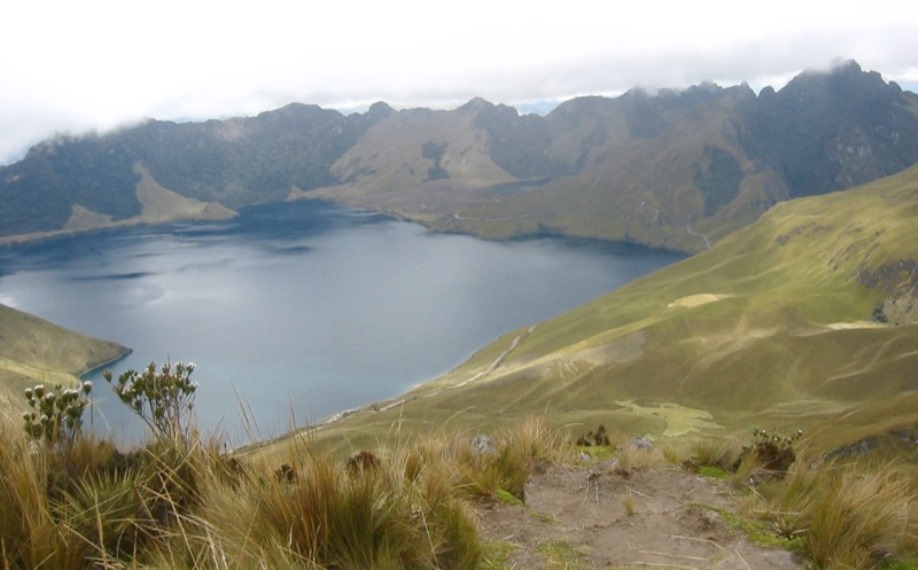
(500, 358)
(582, 517)
(691, 232)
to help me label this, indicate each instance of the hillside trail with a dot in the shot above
(583, 517)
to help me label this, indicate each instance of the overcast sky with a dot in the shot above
(71, 66)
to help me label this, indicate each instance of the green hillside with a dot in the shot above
(34, 351)
(802, 317)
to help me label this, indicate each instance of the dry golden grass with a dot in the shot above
(189, 506)
(631, 458)
(851, 515)
(405, 505)
(717, 452)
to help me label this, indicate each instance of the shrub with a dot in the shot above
(879, 313)
(57, 413)
(771, 454)
(163, 399)
(600, 438)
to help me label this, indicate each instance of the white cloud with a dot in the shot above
(71, 66)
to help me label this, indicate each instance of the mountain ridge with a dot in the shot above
(676, 169)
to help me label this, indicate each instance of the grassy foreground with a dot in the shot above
(409, 504)
(184, 504)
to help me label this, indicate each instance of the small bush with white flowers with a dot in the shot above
(162, 396)
(56, 417)
(772, 452)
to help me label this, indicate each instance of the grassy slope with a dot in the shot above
(789, 344)
(35, 351)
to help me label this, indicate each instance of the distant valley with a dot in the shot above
(800, 307)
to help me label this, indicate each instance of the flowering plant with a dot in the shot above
(57, 413)
(163, 397)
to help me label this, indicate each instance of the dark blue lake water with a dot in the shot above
(305, 309)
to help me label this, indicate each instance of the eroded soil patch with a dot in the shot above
(593, 517)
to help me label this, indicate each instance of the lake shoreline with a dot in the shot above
(96, 367)
(324, 306)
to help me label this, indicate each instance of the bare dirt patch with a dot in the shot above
(163, 205)
(592, 517)
(83, 218)
(696, 300)
(855, 325)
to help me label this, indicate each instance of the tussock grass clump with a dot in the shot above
(180, 503)
(537, 439)
(632, 458)
(90, 504)
(482, 467)
(714, 452)
(27, 529)
(847, 515)
(327, 517)
(861, 514)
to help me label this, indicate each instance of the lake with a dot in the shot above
(297, 311)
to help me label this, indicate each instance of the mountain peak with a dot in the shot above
(840, 78)
(477, 104)
(846, 66)
(380, 110)
(379, 107)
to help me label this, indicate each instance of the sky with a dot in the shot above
(72, 67)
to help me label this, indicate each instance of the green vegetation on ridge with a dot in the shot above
(34, 351)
